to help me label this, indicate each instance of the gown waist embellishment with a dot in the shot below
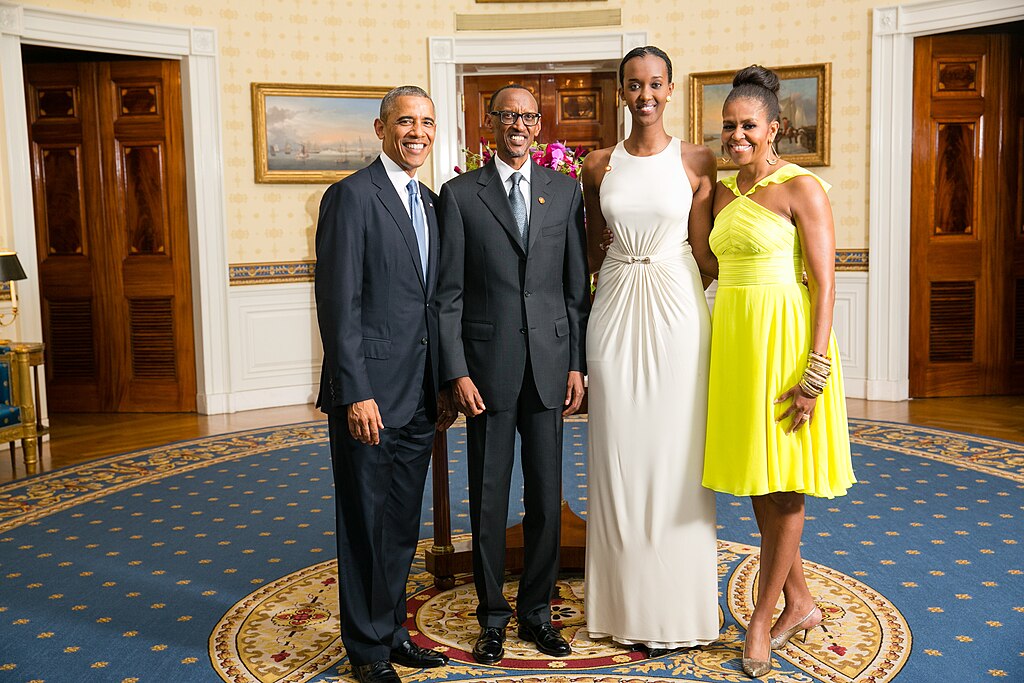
(659, 256)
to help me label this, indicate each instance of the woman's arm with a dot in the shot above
(702, 170)
(594, 168)
(812, 215)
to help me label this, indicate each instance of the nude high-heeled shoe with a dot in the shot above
(779, 641)
(755, 668)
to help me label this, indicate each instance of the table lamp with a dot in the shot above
(10, 270)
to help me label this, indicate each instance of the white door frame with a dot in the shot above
(892, 80)
(448, 53)
(197, 50)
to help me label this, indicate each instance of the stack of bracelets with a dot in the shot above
(816, 374)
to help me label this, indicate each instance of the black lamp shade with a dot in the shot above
(10, 267)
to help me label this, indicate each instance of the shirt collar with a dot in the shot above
(505, 171)
(396, 174)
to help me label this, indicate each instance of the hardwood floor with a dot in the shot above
(80, 437)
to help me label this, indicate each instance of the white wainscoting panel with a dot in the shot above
(276, 346)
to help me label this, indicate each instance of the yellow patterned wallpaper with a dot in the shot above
(354, 42)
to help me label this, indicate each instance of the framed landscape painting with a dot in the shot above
(804, 99)
(313, 133)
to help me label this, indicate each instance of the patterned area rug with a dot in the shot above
(214, 560)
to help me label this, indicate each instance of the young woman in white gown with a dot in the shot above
(651, 571)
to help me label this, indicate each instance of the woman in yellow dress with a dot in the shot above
(777, 427)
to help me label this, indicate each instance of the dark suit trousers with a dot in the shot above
(378, 493)
(491, 448)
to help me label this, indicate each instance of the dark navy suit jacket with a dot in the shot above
(377, 320)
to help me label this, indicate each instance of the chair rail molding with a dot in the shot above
(892, 76)
(449, 53)
(196, 47)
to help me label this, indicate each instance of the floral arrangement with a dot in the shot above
(554, 155)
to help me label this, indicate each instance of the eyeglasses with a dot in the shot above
(509, 117)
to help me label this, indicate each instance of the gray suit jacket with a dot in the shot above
(498, 301)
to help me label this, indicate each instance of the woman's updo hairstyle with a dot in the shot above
(643, 52)
(757, 83)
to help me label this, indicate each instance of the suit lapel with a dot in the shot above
(493, 195)
(539, 202)
(393, 203)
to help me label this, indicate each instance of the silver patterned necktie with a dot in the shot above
(419, 225)
(515, 198)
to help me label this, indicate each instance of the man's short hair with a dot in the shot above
(510, 86)
(387, 104)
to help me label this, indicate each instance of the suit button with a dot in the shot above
(522, 330)
(526, 294)
(423, 341)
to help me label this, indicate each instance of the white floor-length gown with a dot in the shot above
(651, 574)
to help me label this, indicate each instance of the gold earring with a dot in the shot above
(771, 148)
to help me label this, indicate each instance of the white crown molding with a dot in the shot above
(892, 78)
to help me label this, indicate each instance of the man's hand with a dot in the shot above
(364, 423)
(446, 410)
(573, 392)
(467, 396)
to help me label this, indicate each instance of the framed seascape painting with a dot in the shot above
(313, 133)
(805, 100)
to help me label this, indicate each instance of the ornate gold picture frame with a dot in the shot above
(806, 101)
(313, 133)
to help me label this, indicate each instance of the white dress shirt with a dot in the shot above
(400, 179)
(505, 173)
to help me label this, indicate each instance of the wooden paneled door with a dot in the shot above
(575, 108)
(112, 235)
(967, 237)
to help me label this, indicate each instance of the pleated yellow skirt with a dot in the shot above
(759, 344)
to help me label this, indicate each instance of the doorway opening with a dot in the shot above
(107, 152)
(578, 103)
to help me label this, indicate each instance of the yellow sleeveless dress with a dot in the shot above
(760, 337)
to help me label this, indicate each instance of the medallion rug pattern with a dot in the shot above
(214, 560)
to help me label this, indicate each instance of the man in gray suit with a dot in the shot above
(513, 299)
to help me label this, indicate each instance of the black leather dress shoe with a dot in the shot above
(548, 640)
(378, 672)
(412, 655)
(490, 645)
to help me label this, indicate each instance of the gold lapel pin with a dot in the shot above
(540, 199)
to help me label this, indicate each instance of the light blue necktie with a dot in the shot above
(515, 198)
(419, 225)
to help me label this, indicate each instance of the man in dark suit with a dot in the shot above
(513, 298)
(376, 271)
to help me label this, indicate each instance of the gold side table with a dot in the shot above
(35, 359)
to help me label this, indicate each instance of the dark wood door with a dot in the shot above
(108, 167)
(576, 108)
(966, 235)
